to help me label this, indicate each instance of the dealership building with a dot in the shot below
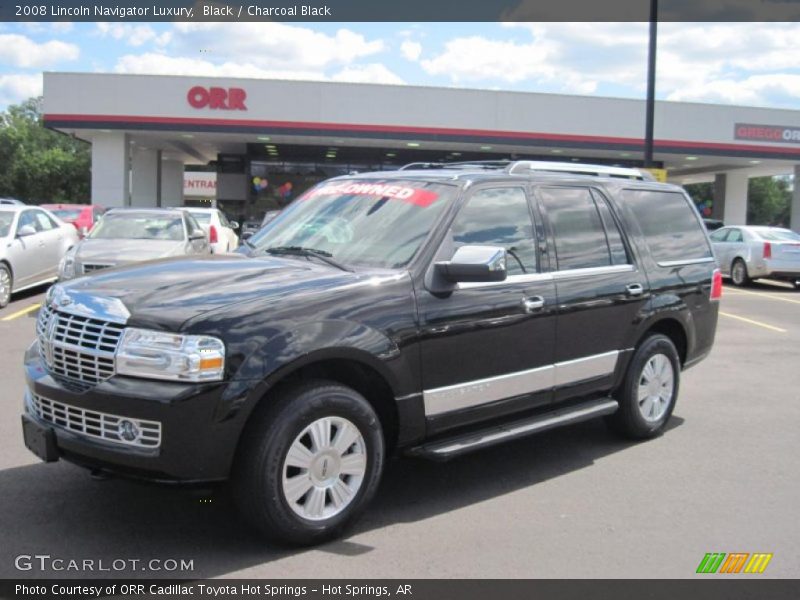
(269, 140)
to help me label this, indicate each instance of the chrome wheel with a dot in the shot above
(739, 273)
(5, 287)
(324, 468)
(656, 385)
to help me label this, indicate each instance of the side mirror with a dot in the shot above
(25, 231)
(474, 264)
(234, 224)
(197, 235)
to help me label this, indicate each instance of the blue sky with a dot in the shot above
(737, 63)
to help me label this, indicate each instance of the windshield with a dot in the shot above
(139, 227)
(371, 223)
(6, 218)
(66, 214)
(203, 218)
(778, 235)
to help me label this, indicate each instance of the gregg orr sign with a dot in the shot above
(217, 98)
(767, 133)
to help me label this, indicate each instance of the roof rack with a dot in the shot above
(527, 166)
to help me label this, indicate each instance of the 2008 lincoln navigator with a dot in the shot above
(430, 311)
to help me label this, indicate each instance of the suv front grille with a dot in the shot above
(103, 426)
(77, 347)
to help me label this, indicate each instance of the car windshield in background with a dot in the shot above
(66, 214)
(368, 223)
(203, 218)
(139, 227)
(6, 218)
(778, 235)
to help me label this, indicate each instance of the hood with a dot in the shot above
(115, 252)
(167, 293)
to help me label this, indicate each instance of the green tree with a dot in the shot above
(768, 201)
(40, 165)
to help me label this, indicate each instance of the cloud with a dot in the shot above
(15, 88)
(411, 50)
(22, 52)
(134, 35)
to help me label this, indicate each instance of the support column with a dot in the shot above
(795, 210)
(730, 198)
(110, 170)
(145, 165)
(171, 183)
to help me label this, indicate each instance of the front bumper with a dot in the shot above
(195, 443)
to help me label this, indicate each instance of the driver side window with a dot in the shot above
(499, 217)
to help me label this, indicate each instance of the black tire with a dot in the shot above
(739, 274)
(629, 420)
(5, 294)
(258, 474)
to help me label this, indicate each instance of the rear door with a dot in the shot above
(599, 286)
(487, 348)
(51, 242)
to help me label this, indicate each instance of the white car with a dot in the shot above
(32, 242)
(221, 232)
(747, 252)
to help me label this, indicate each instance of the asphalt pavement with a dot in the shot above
(570, 503)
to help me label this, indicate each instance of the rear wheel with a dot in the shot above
(309, 464)
(739, 274)
(6, 282)
(649, 391)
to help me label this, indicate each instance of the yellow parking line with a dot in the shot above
(771, 296)
(752, 322)
(19, 313)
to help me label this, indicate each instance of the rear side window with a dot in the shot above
(670, 226)
(585, 232)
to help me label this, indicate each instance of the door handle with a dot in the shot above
(634, 289)
(533, 303)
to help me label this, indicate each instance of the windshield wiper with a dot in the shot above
(302, 251)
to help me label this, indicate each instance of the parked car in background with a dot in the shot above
(221, 232)
(12, 201)
(269, 216)
(713, 224)
(128, 235)
(82, 216)
(752, 252)
(250, 226)
(32, 242)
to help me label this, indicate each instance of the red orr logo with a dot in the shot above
(217, 98)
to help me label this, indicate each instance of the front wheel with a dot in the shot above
(309, 463)
(649, 391)
(739, 275)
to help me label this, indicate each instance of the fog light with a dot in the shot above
(128, 430)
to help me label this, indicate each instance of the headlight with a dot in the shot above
(66, 268)
(160, 355)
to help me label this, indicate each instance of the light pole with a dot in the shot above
(651, 86)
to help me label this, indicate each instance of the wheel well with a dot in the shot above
(8, 266)
(675, 332)
(363, 379)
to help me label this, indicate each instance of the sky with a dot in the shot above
(732, 63)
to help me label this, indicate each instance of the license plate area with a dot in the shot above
(39, 439)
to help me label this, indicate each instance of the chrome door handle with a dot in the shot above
(634, 289)
(533, 303)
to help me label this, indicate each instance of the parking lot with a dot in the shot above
(574, 502)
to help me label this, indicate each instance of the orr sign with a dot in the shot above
(776, 134)
(217, 98)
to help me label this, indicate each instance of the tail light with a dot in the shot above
(716, 285)
(767, 250)
(212, 235)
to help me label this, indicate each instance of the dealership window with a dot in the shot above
(670, 225)
(585, 232)
(499, 217)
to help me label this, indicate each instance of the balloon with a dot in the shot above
(288, 185)
(263, 184)
(256, 180)
(707, 211)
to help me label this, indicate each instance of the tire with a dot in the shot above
(739, 276)
(269, 484)
(6, 285)
(645, 418)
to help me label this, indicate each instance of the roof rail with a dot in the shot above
(472, 164)
(522, 166)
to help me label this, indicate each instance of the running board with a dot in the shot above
(462, 443)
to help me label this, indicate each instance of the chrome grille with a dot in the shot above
(91, 267)
(97, 425)
(77, 347)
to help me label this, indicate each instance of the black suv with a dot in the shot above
(429, 311)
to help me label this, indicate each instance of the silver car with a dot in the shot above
(752, 252)
(32, 242)
(127, 235)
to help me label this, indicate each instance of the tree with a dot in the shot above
(38, 164)
(768, 201)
